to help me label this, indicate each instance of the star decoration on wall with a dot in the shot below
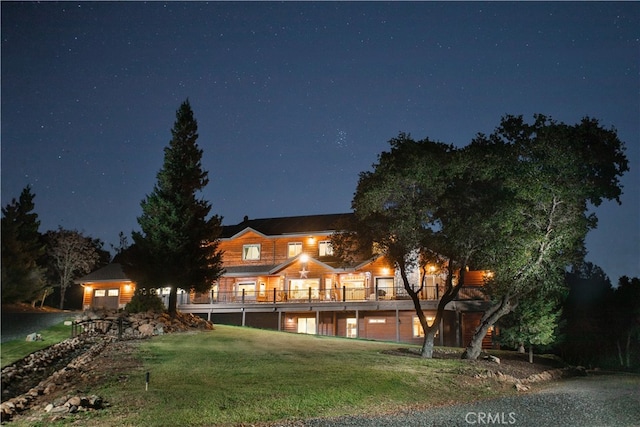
(303, 273)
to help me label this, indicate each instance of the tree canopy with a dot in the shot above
(421, 205)
(551, 174)
(70, 254)
(178, 241)
(515, 202)
(22, 248)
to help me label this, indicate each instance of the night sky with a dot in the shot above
(293, 100)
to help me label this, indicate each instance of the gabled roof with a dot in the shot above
(291, 261)
(307, 224)
(109, 273)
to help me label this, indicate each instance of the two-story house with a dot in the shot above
(280, 273)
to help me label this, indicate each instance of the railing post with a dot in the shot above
(243, 291)
(376, 291)
(344, 293)
(274, 295)
(309, 294)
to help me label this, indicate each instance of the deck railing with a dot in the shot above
(313, 295)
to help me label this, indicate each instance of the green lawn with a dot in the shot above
(15, 350)
(236, 375)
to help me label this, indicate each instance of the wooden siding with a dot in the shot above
(125, 292)
(273, 250)
(470, 322)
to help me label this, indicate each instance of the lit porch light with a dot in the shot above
(304, 258)
(87, 289)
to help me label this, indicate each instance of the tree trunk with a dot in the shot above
(530, 353)
(628, 355)
(521, 348)
(489, 318)
(63, 290)
(427, 345)
(620, 353)
(44, 296)
(173, 301)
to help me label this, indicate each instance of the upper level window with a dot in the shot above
(325, 248)
(251, 252)
(295, 248)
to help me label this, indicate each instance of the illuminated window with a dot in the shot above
(352, 327)
(306, 325)
(295, 248)
(385, 287)
(299, 288)
(113, 292)
(325, 248)
(251, 252)
(418, 332)
(100, 293)
(248, 288)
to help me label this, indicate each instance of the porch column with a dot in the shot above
(243, 316)
(441, 331)
(318, 322)
(279, 321)
(457, 326)
(397, 325)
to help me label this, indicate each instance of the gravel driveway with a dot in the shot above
(599, 401)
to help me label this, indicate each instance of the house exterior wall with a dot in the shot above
(125, 293)
(282, 291)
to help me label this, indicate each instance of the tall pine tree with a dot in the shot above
(22, 277)
(178, 244)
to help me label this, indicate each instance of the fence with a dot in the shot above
(98, 326)
(311, 294)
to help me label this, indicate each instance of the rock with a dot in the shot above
(521, 387)
(74, 401)
(492, 358)
(146, 330)
(95, 402)
(59, 410)
(33, 337)
(49, 407)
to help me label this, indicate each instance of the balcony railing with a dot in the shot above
(314, 295)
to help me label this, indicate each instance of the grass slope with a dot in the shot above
(234, 375)
(11, 351)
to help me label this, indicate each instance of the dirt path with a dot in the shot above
(594, 401)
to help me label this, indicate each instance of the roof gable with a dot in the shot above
(307, 224)
(109, 273)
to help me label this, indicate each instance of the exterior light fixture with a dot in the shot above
(304, 258)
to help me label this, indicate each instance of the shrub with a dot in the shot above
(145, 300)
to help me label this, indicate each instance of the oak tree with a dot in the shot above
(551, 174)
(422, 205)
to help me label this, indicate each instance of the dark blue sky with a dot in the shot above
(293, 100)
